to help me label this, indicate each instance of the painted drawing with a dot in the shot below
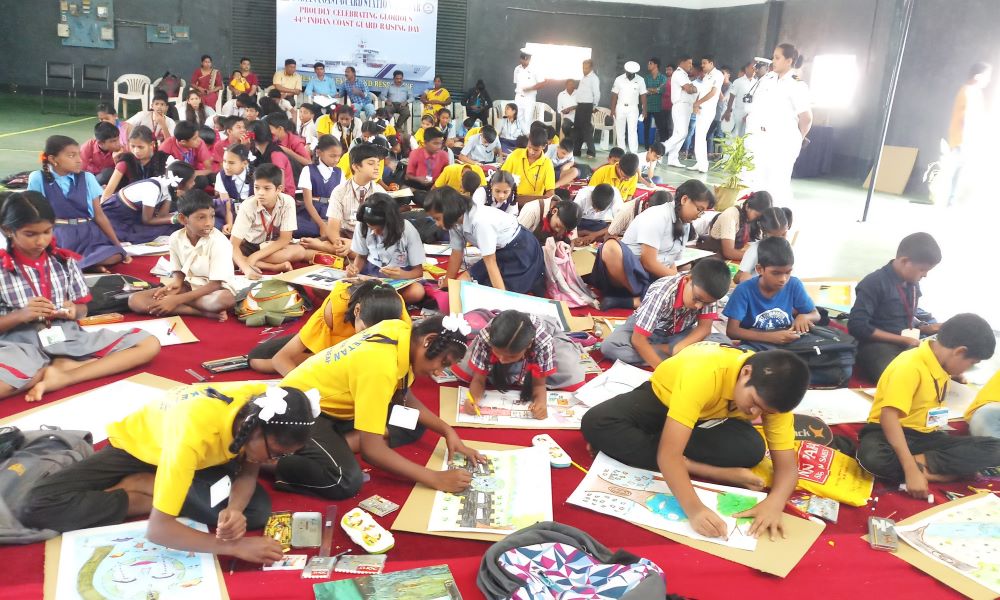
(505, 409)
(118, 562)
(425, 583)
(966, 539)
(641, 496)
(512, 491)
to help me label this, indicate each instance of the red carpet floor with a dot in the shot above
(839, 565)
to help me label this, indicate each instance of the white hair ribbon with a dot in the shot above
(171, 179)
(517, 179)
(313, 396)
(457, 323)
(271, 403)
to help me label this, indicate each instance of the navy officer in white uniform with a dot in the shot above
(628, 94)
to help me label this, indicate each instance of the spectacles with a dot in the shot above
(273, 457)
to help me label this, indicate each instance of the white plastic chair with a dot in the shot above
(136, 88)
(175, 100)
(545, 113)
(599, 121)
(498, 106)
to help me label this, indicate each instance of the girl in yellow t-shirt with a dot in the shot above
(171, 457)
(351, 307)
(364, 386)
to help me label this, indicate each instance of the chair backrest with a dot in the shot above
(545, 113)
(601, 116)
(134, 83)
(60, 73)
(97, 75)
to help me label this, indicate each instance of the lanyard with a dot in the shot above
(268, 226)
(939, 392)
(538, 171)
(909, 306)
(44, 289)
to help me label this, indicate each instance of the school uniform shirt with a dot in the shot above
(345, 166)
(183, 432)
(345, 135)
(296, 144)
(709, 81)
(345, 201)
(46, 276)
(535, 177)
(230, 109)
(654, 227)
(748, 264)
(478, 150)
(406, 253)
(148, 192)
(209, 259)
(697, 384)
(531, 214)
(451, 176)
(540, 359)
(94, 158)
(479, 197)
(584, 199)
(326, 173)
(146, 118)
(628, 91)
(563, 101)
(609, 174)
(358, 377)
(552, 153)
(677, 82)
(240, 182)
(621, 221)
(199, 158)
(662, 308)
(882, 300)
(36, 183)
(727, 225)
(182, 114)
(914, 383)
(748, 305)
(255, 224)
(486, 228)
(510, 130)
(318, 335)
(424, 164)
(989, 393)
(307, 131)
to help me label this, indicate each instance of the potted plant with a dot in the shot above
(736, 160)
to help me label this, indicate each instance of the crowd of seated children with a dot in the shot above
(143, 211)
(143, 160)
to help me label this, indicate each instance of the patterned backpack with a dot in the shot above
(561, 280)
(270, 302)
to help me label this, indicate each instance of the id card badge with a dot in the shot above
(219, 490)
(911, 333)
(404, 417)
(937, 417)
(51, 335)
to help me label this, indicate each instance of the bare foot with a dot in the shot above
(53, 379)
(741, 477)
(285, 267)
(222, 316)
(36, 392)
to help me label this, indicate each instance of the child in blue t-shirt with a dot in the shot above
(773, 307)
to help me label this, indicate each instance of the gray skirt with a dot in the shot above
(22, 355)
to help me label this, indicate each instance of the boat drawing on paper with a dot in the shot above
(368, 63)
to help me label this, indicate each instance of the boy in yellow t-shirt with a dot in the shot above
(983, 415)
(693, 419)
(624, 175)
(534, 171)
(901, 441)
(451, 176)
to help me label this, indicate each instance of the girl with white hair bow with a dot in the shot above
(141, 211)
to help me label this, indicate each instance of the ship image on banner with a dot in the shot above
(368, 63)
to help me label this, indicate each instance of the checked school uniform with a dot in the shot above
(662, 318)
(406, 253)
(28, 348)
(124, 210)
(695, 388)
(71, 197)
(518, 253)
(592, 219)
(552, 355)
(320, 180)
(358, 380)
(183, 438)
(652, 227)
(257, 226)
(237, 188)
(916, 384)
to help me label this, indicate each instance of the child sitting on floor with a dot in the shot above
(550, 218)
(901, 441)
(532, 169)
(521, 350)
(317, 182)
(651, 245)
(735, 228)
(142, 161)
(387, 245)
(42, 294)
(693, 419)
(346, 199)
(262, 232)
(201, 261)
(453, 175)
(500, 193)
(623, 175)
(563, 162)
(774, 222)
(233, 185)
(186, 145)
(141, 211)
(647, 171)
(624, 218)
(678, 311)
(598, 206)
(885, 318)
(98, 154)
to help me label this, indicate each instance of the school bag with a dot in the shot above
(38, 455)
(110, 293)
(429, 232)
(829, 352)
(269, 302)
(550, 560)
(561, 280)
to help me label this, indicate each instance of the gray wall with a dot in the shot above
(733, 35)
(24, 62)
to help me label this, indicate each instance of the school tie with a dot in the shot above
(361, 195)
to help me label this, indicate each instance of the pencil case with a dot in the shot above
(365, 532)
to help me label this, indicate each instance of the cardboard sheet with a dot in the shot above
(894, 170)
(573, 323)
(415, 514)
(960, 584)
(159, 328)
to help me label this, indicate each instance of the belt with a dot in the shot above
(72, 221)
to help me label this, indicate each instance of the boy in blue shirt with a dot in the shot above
(773, 307)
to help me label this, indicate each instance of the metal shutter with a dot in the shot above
(252, 34)
(452, 21)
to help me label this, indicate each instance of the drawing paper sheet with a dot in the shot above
(964, 539)
(158, 328)
(691, 254)
(445, 250)
(321, 277)
(160, 245)
(642, 497)
(480, 296)
(833, 294)
(834, 407)
(93, 410)
(504, 409)
(958, 398)
(619, 379)
(512, 492)
(118, 563)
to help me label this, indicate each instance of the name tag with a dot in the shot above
(219, 490)
(937, 417)
(51, 335)
(404, 417)
(911, 333)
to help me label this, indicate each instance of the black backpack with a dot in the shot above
(426, 227)
(110, 293)
(829, 352)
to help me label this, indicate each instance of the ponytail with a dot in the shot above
(450, 335)
(289, 426)
(53, 146)
(513, 331)
(19, 209)
(757, 201)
